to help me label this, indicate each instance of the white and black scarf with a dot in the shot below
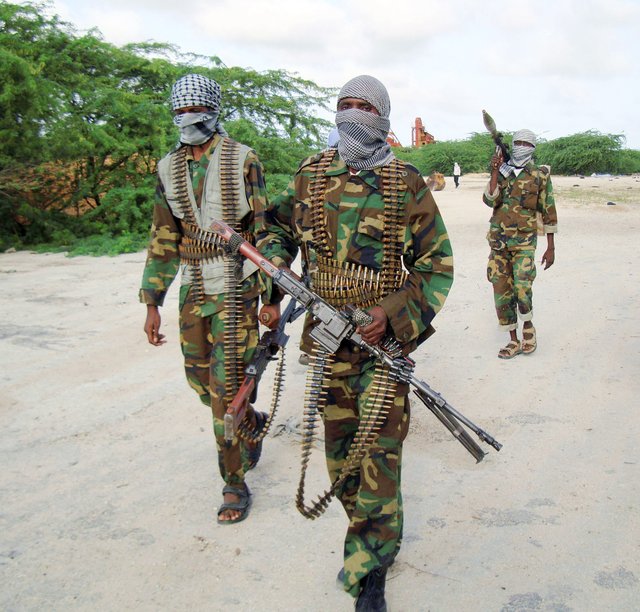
(363, 135)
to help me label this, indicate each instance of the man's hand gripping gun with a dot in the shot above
(271, 343)
(334, 326)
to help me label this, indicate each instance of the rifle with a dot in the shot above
(490, 124)
(270, 344)
(334, 326)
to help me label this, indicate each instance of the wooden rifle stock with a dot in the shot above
(237, 409)
(271, 342)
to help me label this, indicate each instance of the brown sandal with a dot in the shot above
(510, 351)
(529, 342)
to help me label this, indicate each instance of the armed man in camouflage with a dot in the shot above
(208, 176)
(517, 191)
(371, 236)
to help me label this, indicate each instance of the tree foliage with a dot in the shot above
(583, 153)
(472, 154)
(83, 124)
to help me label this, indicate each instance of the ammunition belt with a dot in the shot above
(200, 245)
(342, 283)
(393, 190)
(372, 418)
(179, 178)
(245, 430)
(230, 191)
(317, 189)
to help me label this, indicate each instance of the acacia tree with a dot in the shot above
(83, 122)
(583, 153)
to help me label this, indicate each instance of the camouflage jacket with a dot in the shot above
(353, 207)
(516, 202)
(163, 259)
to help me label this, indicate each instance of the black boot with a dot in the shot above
(371, 598)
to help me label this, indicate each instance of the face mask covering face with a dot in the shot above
(196, 128)
(363, 135)
(520, 155)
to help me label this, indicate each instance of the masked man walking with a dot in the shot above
(209, 176)
(371, 236)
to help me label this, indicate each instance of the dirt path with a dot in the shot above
(109, 484)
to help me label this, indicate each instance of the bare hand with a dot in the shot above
(375, 331)
(548, 258)
(152, 326)
(270, 315)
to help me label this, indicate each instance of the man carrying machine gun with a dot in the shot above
(371, 237)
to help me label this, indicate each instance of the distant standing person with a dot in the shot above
(456, 174)
(517, 191)
(209, 176)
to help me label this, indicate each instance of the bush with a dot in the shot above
(628, 162)
(583, 153)
(276, 184)
(472, 154)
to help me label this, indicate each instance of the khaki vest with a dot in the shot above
(210, 209)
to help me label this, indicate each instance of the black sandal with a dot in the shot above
(241, 506)
(254, 452)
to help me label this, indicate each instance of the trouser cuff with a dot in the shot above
(508, 327)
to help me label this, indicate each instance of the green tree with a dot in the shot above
(583, 153)
(83, 123)
(472, 154)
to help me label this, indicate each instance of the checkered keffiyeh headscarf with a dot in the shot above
(363, 136)
(195, 90)
(525, 136)
(520, 155)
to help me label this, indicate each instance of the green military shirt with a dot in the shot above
(354, 217)
(516, 202)
(163, 259)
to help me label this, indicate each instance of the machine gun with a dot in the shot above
(334, 326)
(270, 344)
(490, 124)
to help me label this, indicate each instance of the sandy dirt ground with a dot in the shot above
(109, 484)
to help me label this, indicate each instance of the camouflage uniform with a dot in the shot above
(202, 321)
(353, 209)
(513, 237)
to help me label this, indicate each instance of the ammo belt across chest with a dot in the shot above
(196, 249)
(342, 283)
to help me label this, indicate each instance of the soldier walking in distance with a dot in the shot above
(372, 237)
(209, 176)
(517, 191)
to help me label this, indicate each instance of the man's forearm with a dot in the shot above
(551, 241)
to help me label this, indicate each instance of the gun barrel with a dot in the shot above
(442, 404)
(453, 426)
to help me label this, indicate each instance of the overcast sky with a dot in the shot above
(557, 67)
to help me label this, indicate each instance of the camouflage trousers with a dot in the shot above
(512, 272)
(370, 497)
(201, 340)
